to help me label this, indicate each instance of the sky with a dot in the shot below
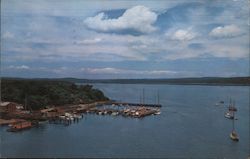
(100, 39)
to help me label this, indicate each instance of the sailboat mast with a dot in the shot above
(158, 97)
(143, 96)
(233, 120)
(140, 99)
(230, 104)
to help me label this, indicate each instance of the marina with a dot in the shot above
(67, 115)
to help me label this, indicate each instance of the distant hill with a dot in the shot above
(236, 81)
(242, 81)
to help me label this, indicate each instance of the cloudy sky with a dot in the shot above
(124, 39)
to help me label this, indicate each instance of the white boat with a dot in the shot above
(43, 122)
(157, 113)
(115, 113)
(233, 135)
(67, 114)
(77, 116)
(62, 117)
(229, 115)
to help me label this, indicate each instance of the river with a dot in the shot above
(190, 125)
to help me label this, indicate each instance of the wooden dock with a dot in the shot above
(132, 104)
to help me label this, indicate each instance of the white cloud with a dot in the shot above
(22, 67)
(183, 35)
(90, 41)
(227, 31)
(110, 70)
(8, 35)
(139, 18)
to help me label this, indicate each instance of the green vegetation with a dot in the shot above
(41, 93)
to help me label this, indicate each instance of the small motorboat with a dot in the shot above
(229, 115)
(157, 113)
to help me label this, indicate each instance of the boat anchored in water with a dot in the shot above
(231, 106)
(229, 115)
(233, 135)
(231, 110)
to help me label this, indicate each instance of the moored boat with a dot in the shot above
(20, 126)
(234, 136)
(157, 113)
(232, 108)
(229, 115)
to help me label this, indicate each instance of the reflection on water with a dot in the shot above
(190, 125)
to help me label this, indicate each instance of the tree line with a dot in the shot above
(37, 94)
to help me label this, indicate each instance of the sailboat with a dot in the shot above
(232, 106)
(158, 112)
(233, 135)
(231, 110)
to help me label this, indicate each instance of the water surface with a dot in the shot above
(190, 125)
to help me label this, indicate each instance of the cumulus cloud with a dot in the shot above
(227, 31)
(138, 18)
(183, 35)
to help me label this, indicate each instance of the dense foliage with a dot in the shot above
(40, 93)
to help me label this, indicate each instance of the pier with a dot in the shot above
(133, 104)
(70, 114)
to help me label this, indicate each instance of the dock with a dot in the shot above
(70, 114)
(135, 104)
(132, 104)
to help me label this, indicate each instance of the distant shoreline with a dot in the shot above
(184, 84)
(207, 81)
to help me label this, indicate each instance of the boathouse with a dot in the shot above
(8, 107)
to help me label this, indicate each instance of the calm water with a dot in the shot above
(190, 126)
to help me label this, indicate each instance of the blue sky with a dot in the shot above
(124, 39)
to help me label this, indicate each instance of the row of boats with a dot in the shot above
(70, 117)
(126, 112)
(230, 114)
